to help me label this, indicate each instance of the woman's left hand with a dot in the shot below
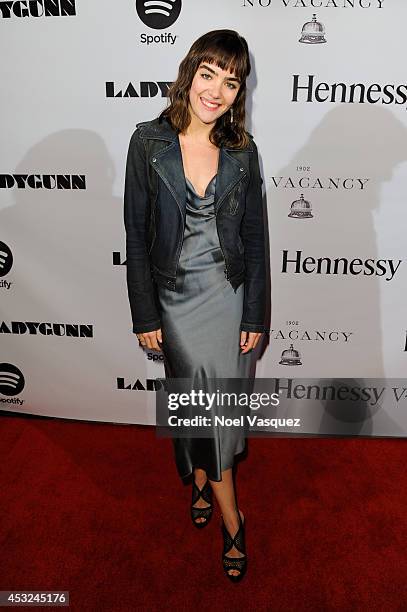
(249, 341)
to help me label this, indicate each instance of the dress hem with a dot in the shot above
(209, 478)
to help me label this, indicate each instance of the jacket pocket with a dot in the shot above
(152, 231)
(240, 246)
(234, 199)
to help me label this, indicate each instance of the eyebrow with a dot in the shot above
(214, 72)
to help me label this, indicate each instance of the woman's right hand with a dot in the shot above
(151, 339)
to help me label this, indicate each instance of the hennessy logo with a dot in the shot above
(339, 265)
(355, 93)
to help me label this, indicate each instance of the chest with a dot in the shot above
(200, 163)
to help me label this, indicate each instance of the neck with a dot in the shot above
(197, 130)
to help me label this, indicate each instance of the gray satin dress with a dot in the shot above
(201, 331)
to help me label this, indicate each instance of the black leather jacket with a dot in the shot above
(154, 218)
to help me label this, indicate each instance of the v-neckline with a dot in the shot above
(189, 180)
(196, 193)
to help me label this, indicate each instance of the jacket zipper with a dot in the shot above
(220, 240)
(221, 248)
(182, 220)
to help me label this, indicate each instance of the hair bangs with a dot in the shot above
(227, 58)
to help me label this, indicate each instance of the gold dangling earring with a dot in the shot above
(231, 114)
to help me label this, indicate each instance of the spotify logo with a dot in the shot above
(11, 379)
(157, 14)
(6, 259)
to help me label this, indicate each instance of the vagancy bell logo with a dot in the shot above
(313, 32)
(144, 89)
(290, 357)
(6, 259)
(11, 379)
(300, 209)
(43, 181)
(158, 15)
(38, 8)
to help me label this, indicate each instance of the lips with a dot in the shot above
(209, 105)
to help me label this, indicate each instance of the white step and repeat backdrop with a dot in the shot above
(327, 107)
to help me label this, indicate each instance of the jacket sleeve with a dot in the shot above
(253, 236)
(140, 286)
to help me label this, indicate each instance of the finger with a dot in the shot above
(159, 335)
(243, 337)
(250, 342)
(155, 344)
(153, 341)
(256, 341)
(147, 338)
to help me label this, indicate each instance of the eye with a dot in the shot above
(232, 85)
(205, 74)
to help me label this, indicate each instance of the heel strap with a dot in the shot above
(238, 541)
(205, 493)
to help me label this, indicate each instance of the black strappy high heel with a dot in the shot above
(202, 513)
(234, 563)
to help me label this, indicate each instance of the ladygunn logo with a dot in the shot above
(290, 357)
(301, 209)
(11, 379)
(37, 8)
(157, 14)
(6, 259)
(313, 32)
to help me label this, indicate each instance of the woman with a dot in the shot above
(195, 255)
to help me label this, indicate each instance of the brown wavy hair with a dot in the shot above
(228, 50)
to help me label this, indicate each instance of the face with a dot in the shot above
(212, 92)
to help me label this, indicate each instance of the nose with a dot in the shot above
(214, 90)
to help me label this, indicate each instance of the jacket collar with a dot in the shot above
(233, 164)
(162, 130)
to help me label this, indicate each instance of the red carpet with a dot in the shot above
(99, 510)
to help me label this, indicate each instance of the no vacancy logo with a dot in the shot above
(301, 207)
